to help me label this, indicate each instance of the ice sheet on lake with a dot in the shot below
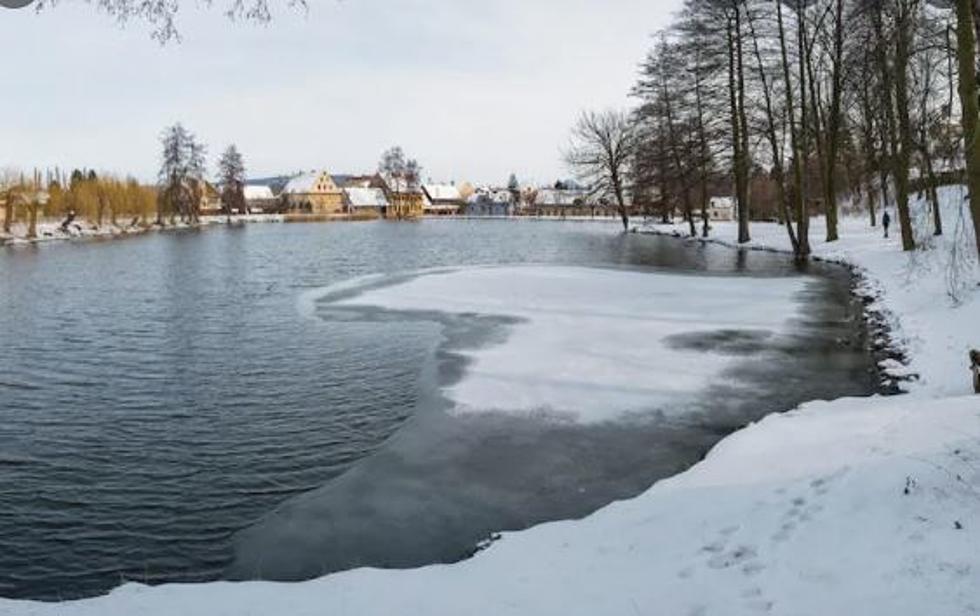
(575, 351)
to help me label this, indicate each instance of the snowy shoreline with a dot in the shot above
(855, 506)
(50, 230)
(888, 348)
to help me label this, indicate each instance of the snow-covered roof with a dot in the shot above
(490, 195)
(314, 182)
(366, 197)
(442, 192)
(258, 193)
(356, 181)
(555, 197)
(722, 202)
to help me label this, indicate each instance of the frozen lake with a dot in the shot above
(284, 401)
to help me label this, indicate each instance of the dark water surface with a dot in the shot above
(161, 397)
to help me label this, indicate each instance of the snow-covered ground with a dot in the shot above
(574, 348)
(857, 506)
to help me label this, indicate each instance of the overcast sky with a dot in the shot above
(474, 90)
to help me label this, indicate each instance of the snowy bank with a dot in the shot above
(914, 291)
(851, 507)
(51, 231)
(857, 506)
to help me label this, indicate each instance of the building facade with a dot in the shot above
(442, 200)
(407, 204)
(721, 209)
(486, 202)
(260, 199)
(365, 202)
(313, 193)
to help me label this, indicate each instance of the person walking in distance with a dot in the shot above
(886, 221)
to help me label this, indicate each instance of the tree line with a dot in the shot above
(100, 199)
(800, 106)
(105, 199)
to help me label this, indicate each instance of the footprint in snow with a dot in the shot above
(737, 557)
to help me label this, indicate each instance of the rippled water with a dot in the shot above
(159, 394)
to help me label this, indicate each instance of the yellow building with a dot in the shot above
(210, 201)
(313, 193)
(405, 205)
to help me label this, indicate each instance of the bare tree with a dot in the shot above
(393, 168)
(413, 174)
(181, 175)
(966, 54)
(600, 154)
(162, 14)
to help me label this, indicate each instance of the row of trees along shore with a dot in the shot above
(102, 199)
(800, 106)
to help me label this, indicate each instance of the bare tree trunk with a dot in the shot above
(682, 173)
(872, 201)
(796, 141)
(8, 213)
(32, 219)
(902, 162)
(932, 191)
(833, 124)
(620, 201)
(898, 162)
(741, 134)
(966, 44)
(872, 161)
(703, 148)
(803, 216)
(778, 172)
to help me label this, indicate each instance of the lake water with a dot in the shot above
(162, 396)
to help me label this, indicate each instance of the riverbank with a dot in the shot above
(929, 301)
(51, 231)
(865, 506)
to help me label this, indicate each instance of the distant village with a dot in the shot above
(320, 195)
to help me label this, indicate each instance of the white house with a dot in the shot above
(487, 201)
(721, 209)
(258, 193)
(364, 200)
(442, 200)
(260, 199)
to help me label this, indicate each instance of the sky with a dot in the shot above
(473, 90)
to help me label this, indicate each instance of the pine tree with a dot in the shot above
(231, 172)
(514, 188)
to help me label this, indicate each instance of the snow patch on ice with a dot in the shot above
(574, 351)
